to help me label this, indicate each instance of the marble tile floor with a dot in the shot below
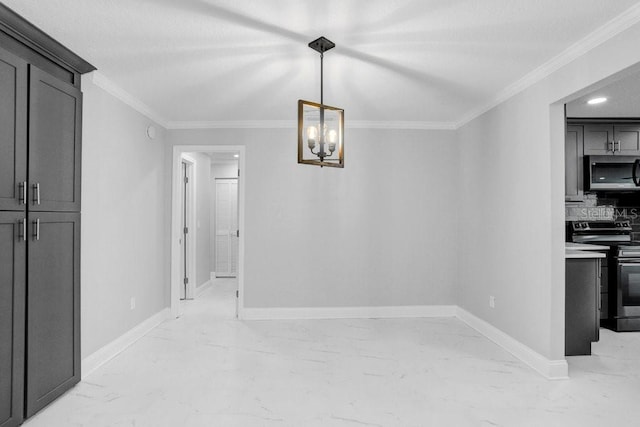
(209, 369)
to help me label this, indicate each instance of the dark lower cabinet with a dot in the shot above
(53, 307)
(13, 249)
(582, 301)
(39, 310)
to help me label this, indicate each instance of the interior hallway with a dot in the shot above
(209, 369)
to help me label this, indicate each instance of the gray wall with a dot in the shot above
(124, 250)
(512, 201)
(416, 217)
(380, 232)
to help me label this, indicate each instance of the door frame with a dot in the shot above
(190, 291)
(176, 203)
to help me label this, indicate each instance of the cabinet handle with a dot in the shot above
(23, 227)
(614, 145)
(22, 190)
(36, 193)
(610, 146)
(36, 228)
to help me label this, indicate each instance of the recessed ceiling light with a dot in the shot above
(595, 101)
(236, 155)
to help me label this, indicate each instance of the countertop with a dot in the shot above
(584, 247)
(573, 254)
(584, 250)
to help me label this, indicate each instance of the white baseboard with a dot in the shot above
(206, 285)
(290, 313)
(550, 369)
(115, 347)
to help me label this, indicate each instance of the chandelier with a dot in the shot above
(320, 127)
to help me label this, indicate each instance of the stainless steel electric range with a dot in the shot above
(620, 309)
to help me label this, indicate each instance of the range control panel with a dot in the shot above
(622, 225)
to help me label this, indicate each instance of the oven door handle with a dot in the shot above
(634, 172)
(629, 263)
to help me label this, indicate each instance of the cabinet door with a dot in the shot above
(598, 139)
(12, 312)
(55, 111)
(627, 139)
(13, 131)
(582, 287)
(573, 158)
(53, 307)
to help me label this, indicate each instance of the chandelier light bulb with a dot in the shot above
(312, 132)
(333, 136)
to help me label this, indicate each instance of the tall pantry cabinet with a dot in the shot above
(40, 139)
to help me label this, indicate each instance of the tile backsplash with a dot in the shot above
(625, 206)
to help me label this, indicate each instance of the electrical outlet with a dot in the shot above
(133, 303)
(492, 301)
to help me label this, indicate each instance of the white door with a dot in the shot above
(226, 237)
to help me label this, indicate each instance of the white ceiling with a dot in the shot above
(246, 60)
(623, 100)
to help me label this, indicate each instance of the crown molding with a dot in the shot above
(233, 124)
(292, 124)
(602, 34)
(116, 91)
(400, 125)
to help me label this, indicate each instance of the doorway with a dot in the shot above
(568, 192)
(181, 240)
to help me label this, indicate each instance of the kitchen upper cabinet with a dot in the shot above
(12, 317)
(598, 139)
(54, 143)
(13, 131)
(574, 165)
(605, 139)
(53, 307)
(593, 137)
(627, 139)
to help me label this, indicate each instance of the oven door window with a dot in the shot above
(630, 283)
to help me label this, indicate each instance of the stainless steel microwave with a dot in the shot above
(612, 173)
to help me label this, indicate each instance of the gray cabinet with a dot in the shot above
(54, 143)
(582, 303)
(604, 290)
(53, 307)
(574, 165)
(12, 317)
(584, 137)
(627, 139)
(598, 139)
(13, 131)
(607, 138)
(40, 154)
